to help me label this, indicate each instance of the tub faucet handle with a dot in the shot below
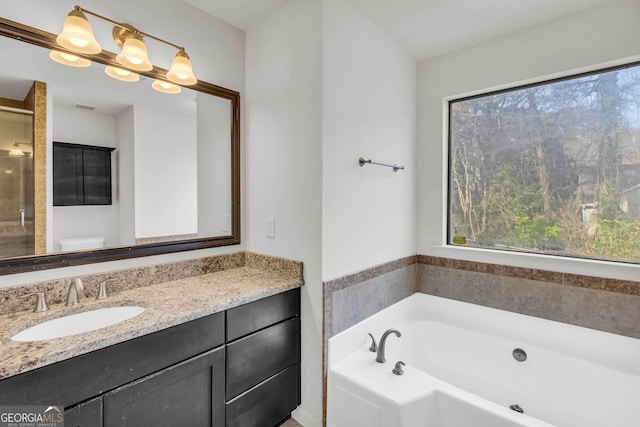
(374, 347)
(398, 369)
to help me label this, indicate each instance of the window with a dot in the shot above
(551, 168)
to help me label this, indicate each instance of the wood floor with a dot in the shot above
(291, 423)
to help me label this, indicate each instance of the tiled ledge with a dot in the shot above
(56, 290)
(367, 274)
(589, 282)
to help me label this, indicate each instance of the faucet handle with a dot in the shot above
(41, 303)
(102, 291)
(374, 347)
(398, 368)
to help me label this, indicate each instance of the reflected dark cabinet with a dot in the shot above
(81, 174)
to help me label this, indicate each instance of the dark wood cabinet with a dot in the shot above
(192, 374)
(267, 404)
(87, 414)
(81, 174)
(84, 377)
(187, 394)
(263, 361)
(253, 359)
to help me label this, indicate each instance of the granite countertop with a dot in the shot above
(166, 304)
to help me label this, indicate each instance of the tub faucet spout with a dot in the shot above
(383, 341)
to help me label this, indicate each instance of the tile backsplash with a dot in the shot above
(56, 290)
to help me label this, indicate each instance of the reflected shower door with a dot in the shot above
(16, 183)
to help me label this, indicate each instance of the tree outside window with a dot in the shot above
(552, 168)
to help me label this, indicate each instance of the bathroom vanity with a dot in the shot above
(237, 366)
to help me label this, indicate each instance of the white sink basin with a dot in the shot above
(78, 323)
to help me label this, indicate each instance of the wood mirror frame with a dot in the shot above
(29, 263)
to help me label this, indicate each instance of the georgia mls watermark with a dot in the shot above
(32, 416)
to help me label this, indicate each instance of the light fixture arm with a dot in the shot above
(127, 27)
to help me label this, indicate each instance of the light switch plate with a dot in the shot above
(271, 227)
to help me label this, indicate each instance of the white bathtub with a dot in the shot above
(460, 371)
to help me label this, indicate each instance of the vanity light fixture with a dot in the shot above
(69, 59)
(121, 74)
(165, 87)
(134, 52)
(77, 36)
(181, 71)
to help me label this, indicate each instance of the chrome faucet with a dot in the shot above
(75, 287)
(383, 341)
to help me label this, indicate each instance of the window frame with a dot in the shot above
(559, 263)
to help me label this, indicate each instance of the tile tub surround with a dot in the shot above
(608, 305)
(349, 299)
(166, 304)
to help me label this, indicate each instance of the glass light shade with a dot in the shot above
(181, 71)
(165, 87)
(69, 59)
(121, 74)
(134, 54)
(77, 34)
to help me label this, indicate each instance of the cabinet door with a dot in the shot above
(190, 393)
(81, 174)
(67, 176)
(88, 414)
(96, 165)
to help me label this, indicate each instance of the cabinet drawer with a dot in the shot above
(187, 394)
(256, 357)
(83, 377)
(266, 404)
(257, 315)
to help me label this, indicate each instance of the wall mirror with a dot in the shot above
(175, 162)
